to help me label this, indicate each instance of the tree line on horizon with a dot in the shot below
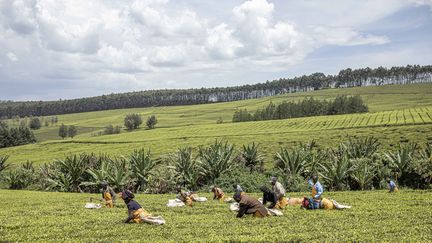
(168, 97)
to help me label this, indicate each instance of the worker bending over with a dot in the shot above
(136, 213)
(184, 196)
(250, 205)
(218, 194)
(279, 193)
(391, 185)
(108, 195)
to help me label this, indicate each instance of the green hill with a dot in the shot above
(398, 113)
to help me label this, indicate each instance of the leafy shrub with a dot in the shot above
(132, 121)
(110, 129)
(249, 181)
(35, 123)
(151, 121)
(72, 131)
(22, 177)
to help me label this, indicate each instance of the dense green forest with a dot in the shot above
(307, 107)
(15, 136)
(166, 97)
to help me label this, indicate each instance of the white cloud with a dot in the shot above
(423, 2)
(345, 36)
(138, 41)
(221, 43)
(12, 56)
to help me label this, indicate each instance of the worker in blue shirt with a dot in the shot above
(392, 185)
(317, 190)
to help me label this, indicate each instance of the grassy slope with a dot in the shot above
(375, 216)
(397, 113)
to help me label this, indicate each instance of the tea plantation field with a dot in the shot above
(398, 113)
(375, 216)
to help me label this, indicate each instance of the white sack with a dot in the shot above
(175, 203)
(93, 206)
(153, 220)
(340, 206)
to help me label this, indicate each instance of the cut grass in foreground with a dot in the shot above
(375, 216)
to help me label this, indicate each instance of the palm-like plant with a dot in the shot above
(363, 173)
(185, 167)
(14, 179)
(120, 175)
(423, 165)
(141, 165)
(62, 182)
(360, 148)
(215, 159)
(401, 159)
(3, 164)
(252, 158)
(99, 174)
(73, 168)
(335, 171)
(290, 163)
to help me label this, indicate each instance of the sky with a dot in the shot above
(63, 49)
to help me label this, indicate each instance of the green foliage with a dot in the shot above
(70, 171)
(185, 168)
(215, 160)
(363, 173)
(422, 165)
(110, 129)
(252, 158)
(151, 121)
(132, 121)
(72, 131)
(15, 136)
(21, 177)
(290, 163)
(63, 131)
(35, 123)
(336, 170)
(142, 165)
(3, 164)
(249, 181)
(307, 107)
(401, 159)
(361, 147)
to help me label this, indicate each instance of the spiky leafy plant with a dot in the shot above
(215, 160)
(401, 159)
(185, 167)
(141, 166)
(252, 158)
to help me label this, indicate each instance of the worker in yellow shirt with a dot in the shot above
(184, 196)
(108, 195)
(136, 213)
(218, 194)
